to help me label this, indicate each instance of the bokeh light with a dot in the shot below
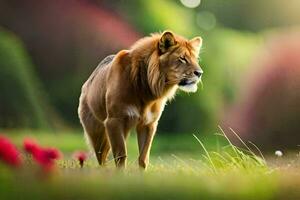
(206, 20)
(191, 3)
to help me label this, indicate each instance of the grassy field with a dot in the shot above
(180, 169)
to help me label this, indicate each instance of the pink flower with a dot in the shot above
(52, 153)
(9, 153)
(45, 157)
(81, 156)
(30, 146)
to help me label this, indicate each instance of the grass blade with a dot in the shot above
(207, 154)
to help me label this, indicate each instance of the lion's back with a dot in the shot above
(101, 66)
(93, 90)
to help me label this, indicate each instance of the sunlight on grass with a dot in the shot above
(227, 172)
(234, 158)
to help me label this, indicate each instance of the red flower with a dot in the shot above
(30, 146)
(52, 153)
(44, 156)
(9, 153)
(80, 156)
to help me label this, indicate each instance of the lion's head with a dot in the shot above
(177, 62)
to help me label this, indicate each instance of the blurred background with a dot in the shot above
(250, 58)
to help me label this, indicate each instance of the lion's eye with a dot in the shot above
(183, 60)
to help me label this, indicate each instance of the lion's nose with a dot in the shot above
(198, 73)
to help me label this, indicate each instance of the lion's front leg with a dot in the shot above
(145, 135)
(117, 135)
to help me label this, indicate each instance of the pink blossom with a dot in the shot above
(9, 153)
(81, 156)
(45, 157)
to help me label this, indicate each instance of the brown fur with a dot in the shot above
(130, 89)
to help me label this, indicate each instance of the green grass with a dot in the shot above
(71, 140)
(182, 167)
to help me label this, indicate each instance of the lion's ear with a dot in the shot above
(196, 44)
(166, 41)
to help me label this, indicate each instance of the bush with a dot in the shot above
(21, 102)
(268, 110)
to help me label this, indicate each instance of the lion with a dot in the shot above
(130, 89)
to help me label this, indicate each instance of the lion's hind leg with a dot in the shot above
(95, 133)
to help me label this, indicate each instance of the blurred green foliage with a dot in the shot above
(157, 16)
(21, 103)
(254, 15)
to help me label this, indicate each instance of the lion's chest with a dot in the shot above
(149, 117)
(146, 115)
(153, 112)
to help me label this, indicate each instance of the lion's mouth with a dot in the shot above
(185, 82)
(189, 85)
